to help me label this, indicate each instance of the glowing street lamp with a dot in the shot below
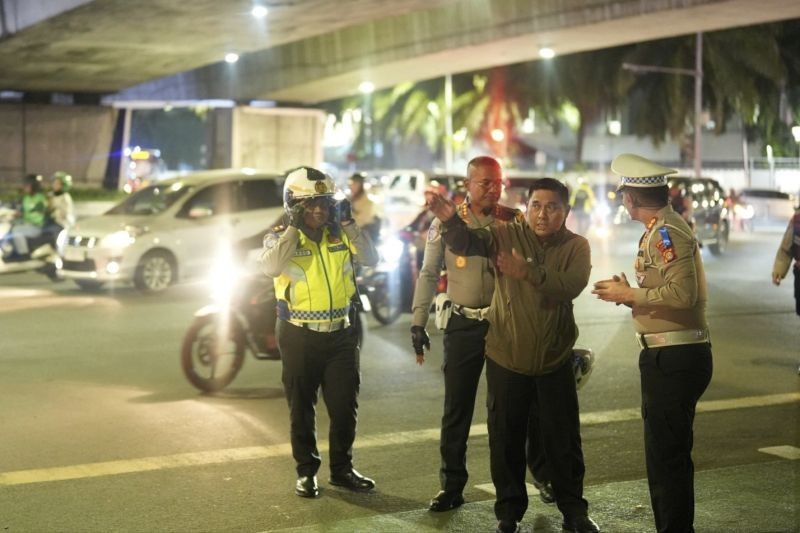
(231, 58)
(547, 53)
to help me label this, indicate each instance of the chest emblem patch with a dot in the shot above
(461, 261)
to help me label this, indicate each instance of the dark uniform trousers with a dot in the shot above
(673, 379)
(464, 354)
(510, 397)
(311, 360)
(797, 289)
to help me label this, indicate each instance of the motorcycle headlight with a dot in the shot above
(391, 249)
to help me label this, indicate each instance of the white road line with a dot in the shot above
(786, 452)
(145, 464)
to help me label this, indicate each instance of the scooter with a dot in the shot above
(44, 257)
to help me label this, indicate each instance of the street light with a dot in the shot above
(796, 135)
(697, 73)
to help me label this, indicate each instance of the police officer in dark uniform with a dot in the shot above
(671, 329)
(312, 262)
(470, 284)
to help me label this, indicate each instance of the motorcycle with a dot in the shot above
(389, 286)
(44, 257)
(240, 320)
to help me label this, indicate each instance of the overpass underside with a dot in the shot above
(310, 51)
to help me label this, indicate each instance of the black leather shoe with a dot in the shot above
(580, 524)
(306, 487)
(352, 480)
(545, 489)
(446, 500)
(507, 526)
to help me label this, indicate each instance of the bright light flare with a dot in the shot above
(259, 12)
(366, 87)
(391, 250)
(547, 53)
(231, 57)
(498, 135)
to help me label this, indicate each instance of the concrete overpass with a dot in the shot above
(313, 50)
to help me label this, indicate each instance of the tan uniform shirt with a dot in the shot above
(532, 327)
(783, 259)
(669, 270)
(470, 280)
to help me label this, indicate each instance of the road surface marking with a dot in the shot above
(786, 452)
(145, 464)
(23, 299)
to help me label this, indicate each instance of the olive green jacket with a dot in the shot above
(532, 327)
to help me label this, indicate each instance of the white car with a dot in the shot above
(170, 231)
(764, 207)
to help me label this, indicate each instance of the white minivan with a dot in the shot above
(170, 231)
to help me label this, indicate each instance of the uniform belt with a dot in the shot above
(323, 327)
(672, 338)
(473, 313)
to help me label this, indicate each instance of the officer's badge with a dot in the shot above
(320, 187)
(433, 232)
(461, 261)
(270, 240)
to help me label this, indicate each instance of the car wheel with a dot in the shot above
(719, 247)
(155, 272)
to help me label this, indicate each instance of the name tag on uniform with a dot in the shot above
(302, 253)
(337, 247)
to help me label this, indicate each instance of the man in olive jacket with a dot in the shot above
(541, 267)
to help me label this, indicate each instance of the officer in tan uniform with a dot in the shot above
(669, 316)
(470, 285)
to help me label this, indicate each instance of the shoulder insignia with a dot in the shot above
(507, 214)
(270, 240)
(433, 232)
(665, 246)
(463, 211)
(652, 223)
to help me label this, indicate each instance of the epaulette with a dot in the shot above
(506, 214)
(272, 236)
(463, 211)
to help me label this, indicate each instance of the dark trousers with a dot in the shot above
(673, 379)
(464, 354)
(537, 462)
(797, 289)
(509, 400)
(312, 360)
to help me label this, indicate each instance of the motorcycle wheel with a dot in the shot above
(209, 362)
(386, 300)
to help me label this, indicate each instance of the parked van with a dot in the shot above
(170, 230)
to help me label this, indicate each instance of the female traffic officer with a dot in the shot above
(312, 261)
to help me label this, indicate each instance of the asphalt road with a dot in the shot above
(99, 431)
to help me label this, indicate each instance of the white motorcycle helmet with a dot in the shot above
(306, 182)
(582, 365)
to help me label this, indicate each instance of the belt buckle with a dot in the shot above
(641, 341)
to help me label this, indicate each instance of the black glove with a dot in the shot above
(344, 211)
(420, 339)
(296, 214)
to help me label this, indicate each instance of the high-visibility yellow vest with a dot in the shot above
(317, 284)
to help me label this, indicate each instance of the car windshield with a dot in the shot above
(150, 201)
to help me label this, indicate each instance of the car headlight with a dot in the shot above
(122, 238)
